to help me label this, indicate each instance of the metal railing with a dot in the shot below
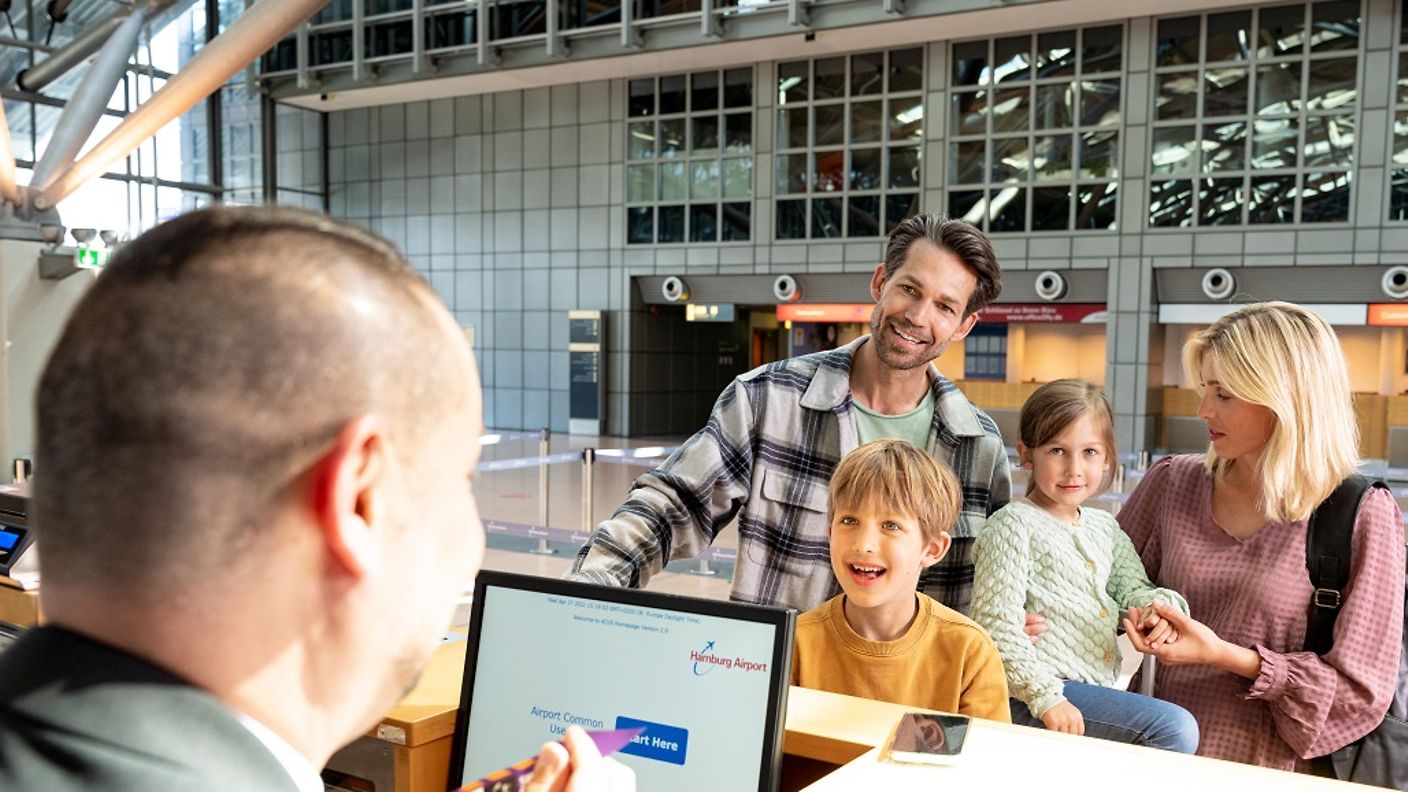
(347, 39)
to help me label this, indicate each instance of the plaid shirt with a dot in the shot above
(766, 457)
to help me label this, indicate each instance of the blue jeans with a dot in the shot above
(1121, 716)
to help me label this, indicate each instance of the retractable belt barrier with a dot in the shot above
(648, 456)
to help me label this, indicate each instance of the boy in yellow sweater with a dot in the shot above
(882, 639)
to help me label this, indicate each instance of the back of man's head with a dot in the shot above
(210, 365)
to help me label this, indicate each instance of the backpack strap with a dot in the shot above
(1328, 547)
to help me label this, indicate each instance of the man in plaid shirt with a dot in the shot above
(777, 433)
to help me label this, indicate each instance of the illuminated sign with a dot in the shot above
(1388, 314)
(697, 312)
(1043, 313)
(89, 258)
(824, 312)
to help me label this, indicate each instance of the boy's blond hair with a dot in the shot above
(894, 476)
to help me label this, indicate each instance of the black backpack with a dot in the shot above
(1380, 757)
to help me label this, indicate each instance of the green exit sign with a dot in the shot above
(90, 258)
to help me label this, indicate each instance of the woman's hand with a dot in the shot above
(1197, 644)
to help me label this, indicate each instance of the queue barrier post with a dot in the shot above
(544, 435)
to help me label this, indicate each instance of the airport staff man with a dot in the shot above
(254, 438)
(777, 433)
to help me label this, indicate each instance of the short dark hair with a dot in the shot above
(212, 362)
(960, 238)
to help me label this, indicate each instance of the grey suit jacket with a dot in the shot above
(80, 715)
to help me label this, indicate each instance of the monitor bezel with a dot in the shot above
(782, 620)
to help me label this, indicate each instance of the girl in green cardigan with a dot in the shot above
(1046, 554)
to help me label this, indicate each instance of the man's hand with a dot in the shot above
(579, 767)
(1034, 626)
(1064, 717)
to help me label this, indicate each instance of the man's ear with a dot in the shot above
(877, 282)
(965, 327)
(348, 494)
(936, 549)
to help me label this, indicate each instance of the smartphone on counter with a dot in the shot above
(928, 738)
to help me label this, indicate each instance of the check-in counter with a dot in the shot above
(1396, 431)
(1371, 412)
(832, 742)
(19, 610)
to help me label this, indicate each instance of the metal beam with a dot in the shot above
(269, 148)
(557, 47)
(418, 20)
(215, 107)
(300, 55)
(358, 41)
(257, 29)
(81, 116)
(630, 37)
(9, 188)
(487, 56)
(708, 21)
(61, 60)
(797, 13)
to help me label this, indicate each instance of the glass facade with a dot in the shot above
(1034, 130)
(689, 158)
(1398, 185)
(1254, 116)
(849, 135)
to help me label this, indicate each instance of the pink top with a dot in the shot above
(1256, 593)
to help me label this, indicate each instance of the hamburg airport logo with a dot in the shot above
(710, 661)
(705, 661)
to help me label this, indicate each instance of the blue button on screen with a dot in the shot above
(659, 742)
(8, 540)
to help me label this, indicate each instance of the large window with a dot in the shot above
(985, 352)
(1398, 190)
(1254, 115)
(689, 158)
(849, 135)
(1034, 130)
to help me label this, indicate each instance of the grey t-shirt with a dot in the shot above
(912, 426)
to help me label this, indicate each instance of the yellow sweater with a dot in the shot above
(944, 662)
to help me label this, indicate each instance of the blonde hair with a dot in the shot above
(1288, 360)
(1058, 404)
(895, 476)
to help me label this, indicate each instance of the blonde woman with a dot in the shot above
(1228, 531)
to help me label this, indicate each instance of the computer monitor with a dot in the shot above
(706, 678)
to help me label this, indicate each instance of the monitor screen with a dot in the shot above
(8, 538)
(707, 680)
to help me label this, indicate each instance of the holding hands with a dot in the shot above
(1186, 641)
(1154, 628)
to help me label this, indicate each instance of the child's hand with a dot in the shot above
(1155, 629)
(1064, 717)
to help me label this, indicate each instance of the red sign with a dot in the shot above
(1388, 315)
(823, 312)
(1038, 313)
(999, 313)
